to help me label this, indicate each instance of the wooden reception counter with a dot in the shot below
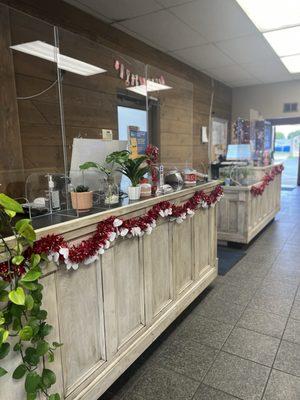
(242, 215)
(107, 313)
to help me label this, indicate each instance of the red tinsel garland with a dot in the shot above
(258, 189)
(57, 249)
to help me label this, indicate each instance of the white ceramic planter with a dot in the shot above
(134, 192)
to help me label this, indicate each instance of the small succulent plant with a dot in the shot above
(81, 189)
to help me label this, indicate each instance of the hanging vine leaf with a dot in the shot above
(20, 371)
(32, 382)
(4, 350)
(22, 315)
(10, 204)
(17, 296)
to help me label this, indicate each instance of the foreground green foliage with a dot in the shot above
(23, 321)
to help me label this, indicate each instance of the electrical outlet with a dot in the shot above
(107, 134)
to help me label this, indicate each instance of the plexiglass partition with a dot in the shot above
(63, 92)
(68, 101)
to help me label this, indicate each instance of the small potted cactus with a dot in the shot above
(82, 199)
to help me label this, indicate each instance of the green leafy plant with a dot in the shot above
(81, 189)
(23, 321)
(131, 167)
(99, 167)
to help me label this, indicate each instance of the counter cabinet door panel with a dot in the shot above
(182, 255)
(158, 270)
(123, 280)
(212, 244)
(201, 241)
(80, 310)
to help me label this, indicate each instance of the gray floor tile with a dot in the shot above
(263, 322)
(292, 332)
(295, 313)
(282, 276)
(238, 377)
(252, 345)
(203, 330)
(208, 393)
(282, 386)
(185, 356)
(297, 298)
(220, 310)
(234, 294)
(159, 383)
(288, 358)
(272, 303)
(279, 289)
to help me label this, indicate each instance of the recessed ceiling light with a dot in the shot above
(292, 63)
(150, 87)
(268, 15)
(51, 53)
(285, 42)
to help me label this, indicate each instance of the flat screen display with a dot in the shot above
(238, 152)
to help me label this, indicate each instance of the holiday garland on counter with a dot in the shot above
(108, 230)
(259, 188)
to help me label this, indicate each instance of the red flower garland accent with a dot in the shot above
(57, 249)
(258, 189)
(152, 154)
(7, 273)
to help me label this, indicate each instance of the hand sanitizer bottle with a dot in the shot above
(53, 195)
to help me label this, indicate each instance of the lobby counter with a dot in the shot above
(242, 215)
(108, 312)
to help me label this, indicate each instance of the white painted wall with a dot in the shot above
(268, 99)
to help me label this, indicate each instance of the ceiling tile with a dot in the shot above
(245, 82)
(247, 49)
(269, 71)
(138, 36)
(171, 3)
(117, 10)
(86, 7)
(215, 19)
(165, 30)
(230, 73)
(203, 57)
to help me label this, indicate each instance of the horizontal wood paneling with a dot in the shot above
(90, 103)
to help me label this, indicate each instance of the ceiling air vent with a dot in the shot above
(290, 107)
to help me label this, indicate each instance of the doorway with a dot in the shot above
(286, 150)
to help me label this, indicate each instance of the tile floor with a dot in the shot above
(241, 338)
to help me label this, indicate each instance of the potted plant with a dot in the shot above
(111, 189)
(133, 168)
(82, 198)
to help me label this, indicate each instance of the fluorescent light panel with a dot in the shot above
(268, 15)
(292, 63)
(51, 53)
(285, 42)
(150, 87)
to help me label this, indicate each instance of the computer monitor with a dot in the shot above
(236, 152)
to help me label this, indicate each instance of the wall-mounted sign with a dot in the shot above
(132, 79)
(137, 140)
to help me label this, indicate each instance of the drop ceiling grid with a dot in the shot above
(213, 36)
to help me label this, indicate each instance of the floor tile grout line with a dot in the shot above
(235, 325)
(221, 349)
(281, 339)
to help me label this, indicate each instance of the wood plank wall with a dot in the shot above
(182, 114)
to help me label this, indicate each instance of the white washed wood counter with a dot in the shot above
(241, 216)
(109, 312)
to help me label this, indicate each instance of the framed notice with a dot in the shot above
(137, 141)
(218, 143)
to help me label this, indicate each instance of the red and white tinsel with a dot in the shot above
(259, 188)
(86, 252)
